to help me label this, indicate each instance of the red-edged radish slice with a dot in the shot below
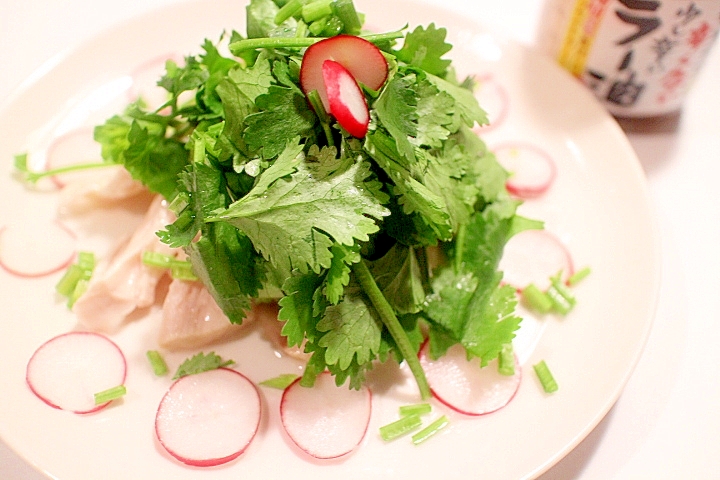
(325, 421)
(35, 248)
(346, 100)
(68, 370)
(494, 99)
(209, 418)
(362, 59)
(466, 387)
(534, 256)
(532, 170)
(72, 148)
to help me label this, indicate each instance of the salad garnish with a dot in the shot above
(373, 233)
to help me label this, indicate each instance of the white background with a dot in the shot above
(666, 424)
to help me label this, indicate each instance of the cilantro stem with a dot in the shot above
(387, 315)
(33, 177)
(299, 42)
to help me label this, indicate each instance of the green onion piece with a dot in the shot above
(280, 382)
(110, 394)
(430, 430)
(400, 427)
(80, 288)
(345, 11)
(416, 409)
(290, 9)
(182, 270)
(179, 203)
(578, 276)
(545, 376)
(333, 26)
(301, 30)
(318, 26)
(66, 284)
(562, 299)
(506, 360)
(316, 10)
(157, 362)
(86, 261)
(536, 299)
(156, 259)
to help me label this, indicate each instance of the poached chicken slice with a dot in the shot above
(121, 283)
(191, 317)
(107, 187)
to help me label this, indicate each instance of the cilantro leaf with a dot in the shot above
(284, 114)
(350, 329)
(293, 221)
(338, 274)
(201, 363)
(424, 47)
(468, 305)
(145, 151)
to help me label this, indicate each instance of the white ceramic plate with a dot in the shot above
(598, 206)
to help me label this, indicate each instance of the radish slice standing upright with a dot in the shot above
(325, 421)
(68, 370)
(209, 418)
(345, 99)
(465, 387)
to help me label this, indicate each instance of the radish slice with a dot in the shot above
(72, 148)
(68, 370)
(494, 99)
(531, 169)
(346, 100)
(36, 249)
(209, 418)
(534, 256)
(465, 387)
(325, 421)
(365, 62)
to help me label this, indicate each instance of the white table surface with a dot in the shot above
(666, 423)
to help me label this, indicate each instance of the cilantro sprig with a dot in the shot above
(371, 244)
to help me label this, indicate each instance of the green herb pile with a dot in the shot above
(274, 200)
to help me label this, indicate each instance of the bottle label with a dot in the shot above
(639, 56)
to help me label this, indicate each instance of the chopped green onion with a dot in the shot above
(75, 280)
(290, 9)
(66, 284)
(301, 30)
(157, 362)
(578, 276)
(562, 299)
(400, 427)
(316, 10)
(280, 382)
(545, 376)
(536, 299)
(182, 270)
(345, 10)
(80, 288)
(156, 259)
(110, 394)
(416, 409)
(430, 430)
(86, 261)
(179, 269)
(506, 360)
